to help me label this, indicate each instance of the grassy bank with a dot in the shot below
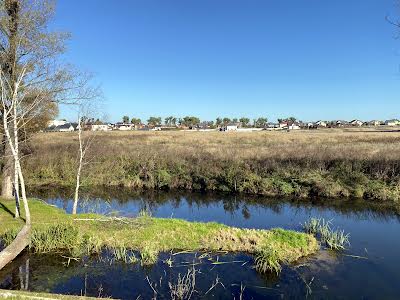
(23, 295)
(87, 234)
(324, 163)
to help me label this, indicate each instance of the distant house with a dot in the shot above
(356, 122)
(294, 126)
(341, 123)
(99, 127)
(375, 123)
(67, 127)
(230, 127)
(283, 124)
(55, 123)
(393, 122)
(272, 126)
(123, 126)
(320, 124)
(309, 125)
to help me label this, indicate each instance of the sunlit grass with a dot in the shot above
(334, 239)
(86, 234)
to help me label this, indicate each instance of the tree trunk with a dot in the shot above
(78, 173)
(6, 185)
(9, 65)
(16, 247)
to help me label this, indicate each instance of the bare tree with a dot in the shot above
(30, 76)
(25, 40)
(83, 147)
(11, 100)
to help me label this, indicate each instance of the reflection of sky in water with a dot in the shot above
(373, 234)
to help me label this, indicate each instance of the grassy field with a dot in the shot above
(362, 163)
(54, 231)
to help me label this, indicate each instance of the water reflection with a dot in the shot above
(16, 275)
(119, 201)
(373, 257)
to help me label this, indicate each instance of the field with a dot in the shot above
(361, 163)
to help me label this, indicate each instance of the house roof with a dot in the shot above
(65, 126)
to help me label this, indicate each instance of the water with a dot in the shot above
(370, 269)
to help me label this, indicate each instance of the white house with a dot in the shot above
(56, 123)
(356, 123)
(294, 126)
(100, 127)
(231, 127)
(392, 122)
(320, 123)
(341, 123)
(374, 123)
(123, 126)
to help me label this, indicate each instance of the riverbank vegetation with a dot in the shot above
(330, 163)
(54, 231)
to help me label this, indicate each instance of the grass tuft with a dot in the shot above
(334, 239)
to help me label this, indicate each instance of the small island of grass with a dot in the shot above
(53, 230)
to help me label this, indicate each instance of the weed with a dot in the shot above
(184, 287)
(334, 239)
(268, 260)
(148, 256)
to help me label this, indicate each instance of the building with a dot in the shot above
(375, 123)
(393, 122)
(66, 127)
(341, 123)
(56, 123)
(294, 126)
(123, 126)
(272, 126)
(356, 123)
(230, 127)
(99, 127)
(320, 124)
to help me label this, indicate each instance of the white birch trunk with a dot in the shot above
(23, 237)
(78, 173)
(16, 179)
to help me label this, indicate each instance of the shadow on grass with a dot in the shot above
(5, 208)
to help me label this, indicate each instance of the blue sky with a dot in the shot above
(313, 59)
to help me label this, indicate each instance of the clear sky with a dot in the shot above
(313, 59)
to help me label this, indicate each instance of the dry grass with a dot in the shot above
(330, 163)
(316, 144)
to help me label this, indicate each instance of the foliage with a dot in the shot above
(125, 119)
(154, 121)
(136, 121)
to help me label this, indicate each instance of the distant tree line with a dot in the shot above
(192, 121)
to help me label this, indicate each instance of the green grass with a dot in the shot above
(334, 239)
(22, 295)
(55, 231)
